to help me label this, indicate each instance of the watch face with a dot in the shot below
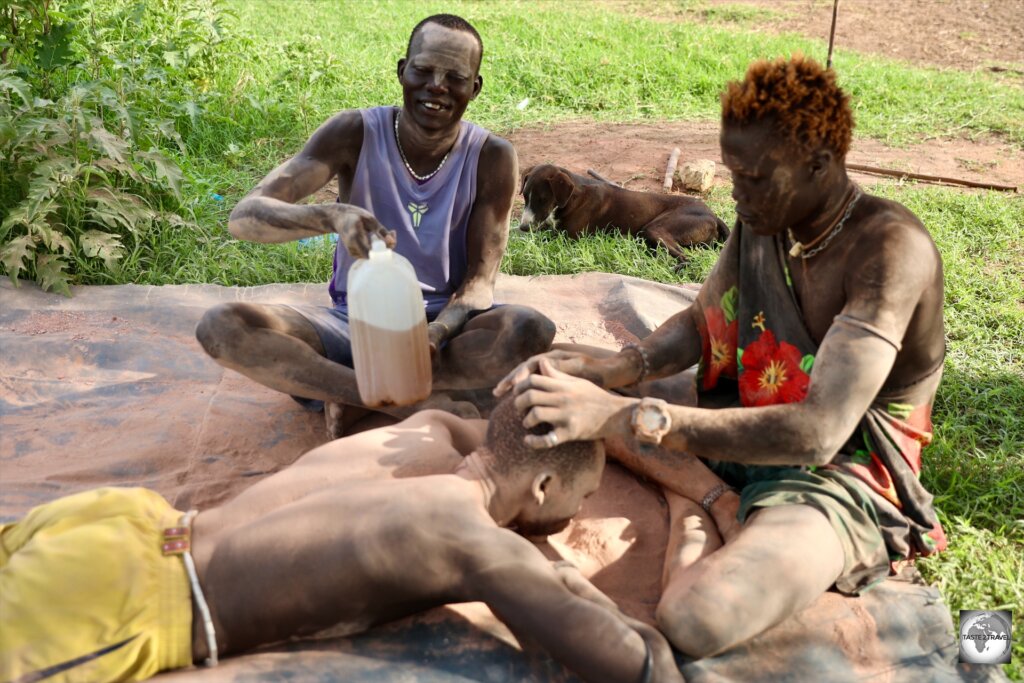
(651, 419)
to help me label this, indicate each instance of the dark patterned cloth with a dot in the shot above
(757, 351)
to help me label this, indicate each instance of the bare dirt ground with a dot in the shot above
(960, 34)
(636, 153)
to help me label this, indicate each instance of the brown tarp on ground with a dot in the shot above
(110, 388)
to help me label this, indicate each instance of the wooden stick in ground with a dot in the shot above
(930, 178)
(670, 170)
(597, 176)
(832, 33)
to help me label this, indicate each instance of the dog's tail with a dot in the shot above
(723, 230)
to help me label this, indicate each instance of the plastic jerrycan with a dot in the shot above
(388, 324)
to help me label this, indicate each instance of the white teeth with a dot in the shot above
(431, 105)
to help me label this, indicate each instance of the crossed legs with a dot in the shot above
(716, 596)
(278, 347)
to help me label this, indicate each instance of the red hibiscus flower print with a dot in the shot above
(772, 373)
(910, 429)
(719, 348)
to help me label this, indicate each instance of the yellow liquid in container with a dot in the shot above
(388, 323)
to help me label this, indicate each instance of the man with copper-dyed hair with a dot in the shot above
(819, 339)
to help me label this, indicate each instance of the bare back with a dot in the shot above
(429, 442)
(342, 556)
(265, 533)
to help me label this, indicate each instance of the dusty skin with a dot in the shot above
(376, 549)
(882, 270)
(278, 347)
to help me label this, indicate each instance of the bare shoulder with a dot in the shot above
(463, 435)
(893, 249)
(498, 152)
(893, 280)
(339, 137)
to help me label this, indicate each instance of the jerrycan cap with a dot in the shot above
(378, 249)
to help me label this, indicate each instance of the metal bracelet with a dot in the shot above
(714, 494)
(645, 367)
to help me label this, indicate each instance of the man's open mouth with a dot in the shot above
(433, 106)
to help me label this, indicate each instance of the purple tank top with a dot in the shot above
(429, 218)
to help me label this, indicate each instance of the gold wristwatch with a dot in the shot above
(651, 420)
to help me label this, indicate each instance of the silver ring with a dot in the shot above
(552, 439)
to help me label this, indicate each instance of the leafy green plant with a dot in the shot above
(88, 112)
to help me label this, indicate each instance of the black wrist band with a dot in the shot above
(648, 673)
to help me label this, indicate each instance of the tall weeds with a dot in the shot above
(94, 100)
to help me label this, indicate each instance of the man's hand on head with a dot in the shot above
(575, 408)
(573, 363)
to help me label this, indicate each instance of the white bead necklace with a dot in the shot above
(413, 173)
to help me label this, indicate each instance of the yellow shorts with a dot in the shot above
(86, 593)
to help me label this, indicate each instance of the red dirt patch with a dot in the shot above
(635, 154)
(960, 34)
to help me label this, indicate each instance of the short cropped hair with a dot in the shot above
(504, 440)
(802, 97)
(448, 21)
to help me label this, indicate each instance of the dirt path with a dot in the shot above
(959, 34)
(637, 153)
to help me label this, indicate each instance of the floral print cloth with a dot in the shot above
(757, 351)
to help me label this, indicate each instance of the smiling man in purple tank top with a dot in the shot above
(439, 191)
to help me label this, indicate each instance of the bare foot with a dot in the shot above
(334, 419)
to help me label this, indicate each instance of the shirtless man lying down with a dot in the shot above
(114, 584)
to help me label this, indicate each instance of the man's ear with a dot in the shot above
(401, 67)
(539, 488)
(562, 188)
(821, 162)
(478, 84)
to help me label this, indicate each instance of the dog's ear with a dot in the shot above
(523, 176)
(562, 188)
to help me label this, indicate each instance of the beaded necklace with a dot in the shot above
(805, 251)
(413, 173)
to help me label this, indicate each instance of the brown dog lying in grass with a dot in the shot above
(578, 205)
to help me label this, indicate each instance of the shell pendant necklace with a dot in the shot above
(405, 161)
(818, 244)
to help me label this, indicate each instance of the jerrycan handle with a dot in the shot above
(378, 249)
